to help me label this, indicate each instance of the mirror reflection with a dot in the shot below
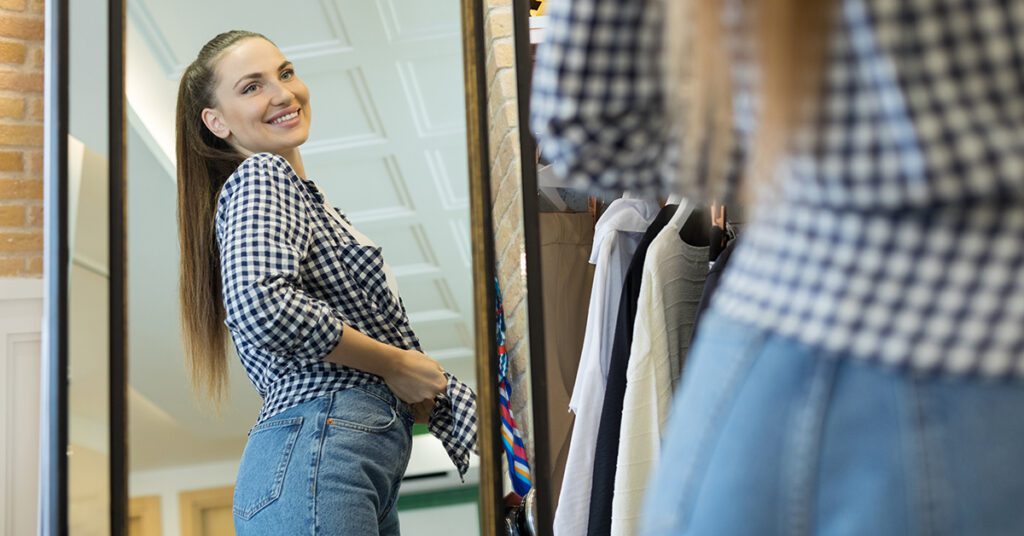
(88, 285)
(322, 190)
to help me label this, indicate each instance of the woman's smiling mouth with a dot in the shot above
(286, 118)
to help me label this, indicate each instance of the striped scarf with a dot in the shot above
(515, 450)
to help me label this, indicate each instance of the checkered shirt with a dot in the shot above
(293, 278)
(897, 233)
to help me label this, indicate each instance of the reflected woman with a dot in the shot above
(312, 309)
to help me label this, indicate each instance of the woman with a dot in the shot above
(860, 371)
(311, 306)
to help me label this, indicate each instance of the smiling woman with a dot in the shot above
(265, 110)
(301, 377)
(305, 297)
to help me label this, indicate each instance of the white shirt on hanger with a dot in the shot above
(670, 291)
(616, 237)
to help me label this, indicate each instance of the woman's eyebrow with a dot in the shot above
(257, 76)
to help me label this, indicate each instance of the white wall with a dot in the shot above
(168, 483)
(454, 520)
(21, 320)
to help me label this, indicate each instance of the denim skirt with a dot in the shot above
(769, 437)
(331, 465)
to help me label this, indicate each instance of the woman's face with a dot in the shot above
(262, 105)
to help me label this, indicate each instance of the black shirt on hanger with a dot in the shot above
(711, 284)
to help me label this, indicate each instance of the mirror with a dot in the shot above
(387, 146)
(89, 275)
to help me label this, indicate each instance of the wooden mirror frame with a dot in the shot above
(482, 237)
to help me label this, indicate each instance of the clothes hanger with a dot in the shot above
(682, 213)
(548, 184)
(719, 226)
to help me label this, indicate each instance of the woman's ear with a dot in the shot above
(214, 122)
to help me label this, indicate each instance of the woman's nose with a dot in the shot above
(282, 95)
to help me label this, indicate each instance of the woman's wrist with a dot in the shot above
(391, 364)
(359, 351)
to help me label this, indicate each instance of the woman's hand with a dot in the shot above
(416, 378)
(412, 376)
(421, 411)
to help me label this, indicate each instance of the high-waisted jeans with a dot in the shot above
(331, 465)
(768, 437)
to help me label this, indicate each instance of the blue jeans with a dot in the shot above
(332, 465)
(768, 437)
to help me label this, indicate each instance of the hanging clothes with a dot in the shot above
(616, 236)
(714, 276)
(607, 446)
(674, 275)
(515, 450)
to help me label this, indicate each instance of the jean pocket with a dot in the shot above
(359, 409)
(263, 466)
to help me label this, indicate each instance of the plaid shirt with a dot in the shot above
(898, 231)
(293, 278)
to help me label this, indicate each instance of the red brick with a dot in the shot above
(35, 109)
(30, 135)
(12, 216)
(21, 242)
(21, 81)
(21, 189)
(35, 266)
(12, 52)
(12, 267)
(13, 5)
(35, 162)
(22, 27)
(34, 216)
(11, 161)
(12, 107)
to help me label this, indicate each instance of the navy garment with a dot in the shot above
(711, 284)
(607, 450)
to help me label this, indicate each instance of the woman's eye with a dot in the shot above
(288, 73)
(248, 88)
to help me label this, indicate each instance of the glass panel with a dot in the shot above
(89, 274)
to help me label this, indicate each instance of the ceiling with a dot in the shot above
(387, 146)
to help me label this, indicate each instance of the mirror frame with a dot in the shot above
(491, 506)
(54, 440)
(542, 458)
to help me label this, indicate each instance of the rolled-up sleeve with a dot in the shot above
(263, 234)
(597, 101)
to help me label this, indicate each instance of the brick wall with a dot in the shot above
(507, 201)
(21, 138)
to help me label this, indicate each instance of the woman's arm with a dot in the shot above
(597, 104)
(412, 375)
(263, 236)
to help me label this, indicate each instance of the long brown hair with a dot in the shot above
(788, 39)
(204, 163)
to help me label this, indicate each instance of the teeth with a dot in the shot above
(282, 119)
